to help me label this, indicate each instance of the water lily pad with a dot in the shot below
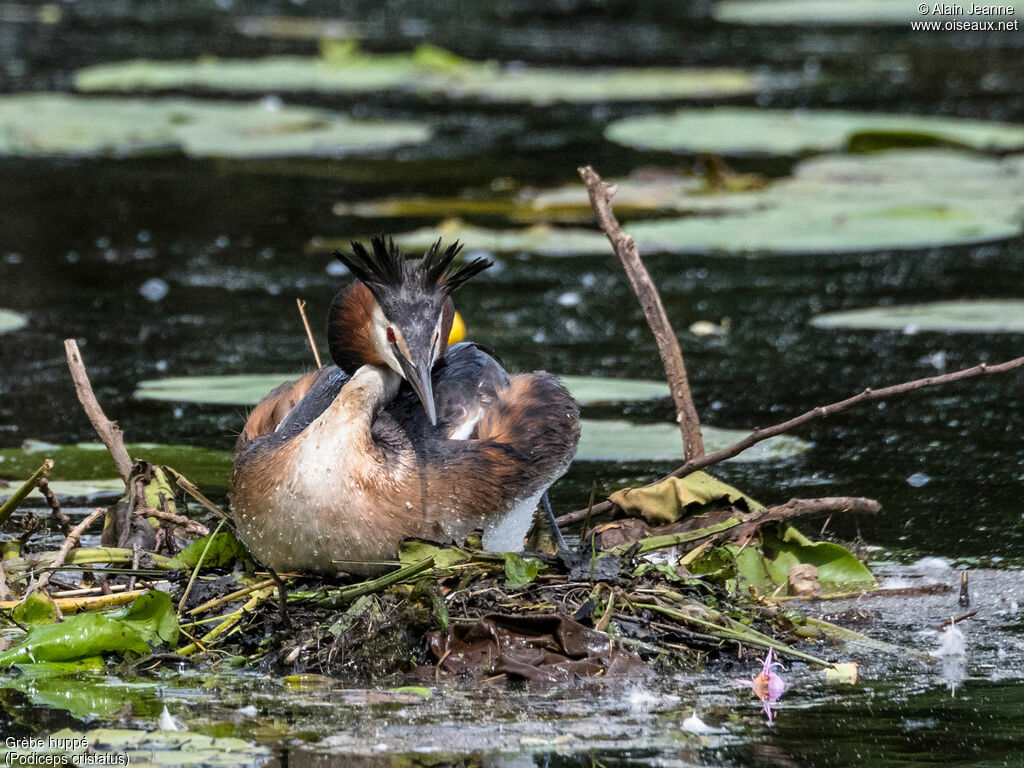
(541, 239)
(11, 321)
(830, 12)
(249, 389)
(427, 71)
(240, 389)
(980, 316)
(645, 191)
(747, 131)
(294, 27)
(99, 488)
(783, 546)
(86, 469)
(591, 390)
(62, 125)
(625, 441)
(833, 203)
(545, 86)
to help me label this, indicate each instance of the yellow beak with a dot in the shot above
(458, 332)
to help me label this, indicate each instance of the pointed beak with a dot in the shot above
(419, 378)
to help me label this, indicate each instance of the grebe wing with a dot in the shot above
(291, 407)
(466, 383)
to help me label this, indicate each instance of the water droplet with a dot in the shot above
(569, 299)
(154, 289)
(272, 103)
(918, 479)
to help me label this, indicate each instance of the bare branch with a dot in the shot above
(600, 193)
(191, 526)
(309, 331)
(692, 465)
(832, 505)
(107, 430)
(69, 543)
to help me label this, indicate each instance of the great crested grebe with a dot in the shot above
(332, 470)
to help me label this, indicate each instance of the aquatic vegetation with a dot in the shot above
(963, 316)
(62, 125)
(428, 72)
(897, 199)
(11, 321)
(745, 131)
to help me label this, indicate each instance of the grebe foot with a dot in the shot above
(556, 532)
(282, 598)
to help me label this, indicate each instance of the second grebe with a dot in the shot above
(331, 471)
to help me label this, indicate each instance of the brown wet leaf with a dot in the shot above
(543, 648)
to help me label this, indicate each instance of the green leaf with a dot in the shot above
(412, 551)
(428, 71)
(148, 620)
(967, 316)
(47, 124)
(158, 489)
(79, 637)
(664, 571)
(224, 550)
(784, 546)
(11, 321)
(519, 570)
(717, 564)
(152, 616)
(36, 609)
(749, 131)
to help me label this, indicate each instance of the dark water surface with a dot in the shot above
(78, 239)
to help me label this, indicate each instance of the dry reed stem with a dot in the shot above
(309, 331)
(601, 193)
(107, 430)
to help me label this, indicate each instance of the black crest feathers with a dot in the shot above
(386, 268)
(381, 267)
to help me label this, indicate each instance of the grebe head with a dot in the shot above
(400, 312)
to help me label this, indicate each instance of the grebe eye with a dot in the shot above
(391, 335)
